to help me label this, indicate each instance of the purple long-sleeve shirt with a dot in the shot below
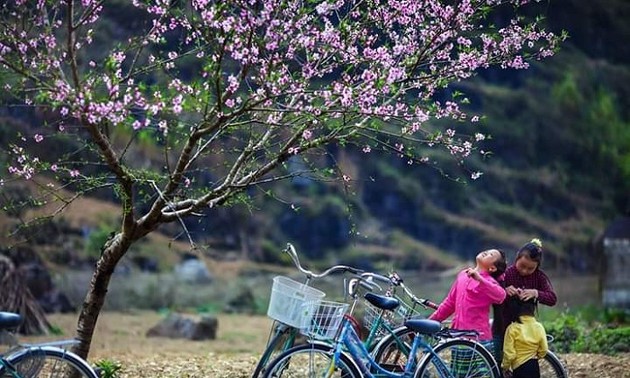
(505, 313)
(537, 280)
(470, 301)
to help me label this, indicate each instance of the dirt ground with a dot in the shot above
(121, 337)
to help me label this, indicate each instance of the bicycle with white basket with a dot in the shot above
(335, 349)
(297, 307)
(286, 307)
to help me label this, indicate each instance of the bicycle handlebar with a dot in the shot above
(421, 301)
(366, 279)
(290, 250)
(353, 283)
(396, 280)
(371, 277)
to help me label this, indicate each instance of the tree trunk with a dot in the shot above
(113, 250)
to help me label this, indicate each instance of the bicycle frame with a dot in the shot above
(10, 368)
(277, 329)
(379, 324)
(349, 339)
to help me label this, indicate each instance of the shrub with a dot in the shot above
(55, 330)
(108, 368)
(565, 329)
(616, 316)
(604, 340)
(572, 333)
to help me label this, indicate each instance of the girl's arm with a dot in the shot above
(495, 292)
(509, 352)
(546, 294)
(447, 307)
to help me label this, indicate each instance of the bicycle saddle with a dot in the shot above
(382, 302)
(9, 320)
(424, 326)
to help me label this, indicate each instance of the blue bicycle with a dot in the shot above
(285, 307)
(336, 350)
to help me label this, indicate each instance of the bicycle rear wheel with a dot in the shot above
(460, 358)
(46, 361)
(552, 367)
(311, 360)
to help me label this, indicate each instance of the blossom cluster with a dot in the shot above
(282, 64)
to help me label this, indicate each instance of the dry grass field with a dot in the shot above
(121, 337)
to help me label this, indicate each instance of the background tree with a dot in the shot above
(235, 94)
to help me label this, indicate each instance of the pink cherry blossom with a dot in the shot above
(234, 89)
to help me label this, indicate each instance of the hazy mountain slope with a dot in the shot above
(559, 168)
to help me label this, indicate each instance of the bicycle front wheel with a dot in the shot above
(46, 361)
(552, 367)
(282, 339)
(392, 351)
(312, 360)
(459, 358)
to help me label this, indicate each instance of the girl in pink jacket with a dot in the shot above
(472, 295)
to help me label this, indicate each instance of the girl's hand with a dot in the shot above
(473, 273)
(527, 294)
(511, 291)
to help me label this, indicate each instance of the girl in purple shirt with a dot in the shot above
(524, 280)
(473, 293)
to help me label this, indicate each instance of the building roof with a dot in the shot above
(618, 229)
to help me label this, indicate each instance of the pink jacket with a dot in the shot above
(470, 300)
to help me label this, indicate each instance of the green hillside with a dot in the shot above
(558, 168)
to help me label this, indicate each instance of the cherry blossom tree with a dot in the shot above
(237, 89)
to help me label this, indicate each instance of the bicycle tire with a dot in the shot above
(309, 359)
(463, 358)
(282, 340)
(552, 367)
(46, 361)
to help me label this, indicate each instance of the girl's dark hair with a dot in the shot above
(533, 250)
(527, 307)
(500, 264)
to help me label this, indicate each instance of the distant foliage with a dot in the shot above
(96, 240)
(573, 334)
(604, 340)
(617, 316)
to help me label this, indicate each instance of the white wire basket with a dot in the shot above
(287, 299)
(325, 318)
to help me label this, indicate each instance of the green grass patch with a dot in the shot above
(589, 330)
